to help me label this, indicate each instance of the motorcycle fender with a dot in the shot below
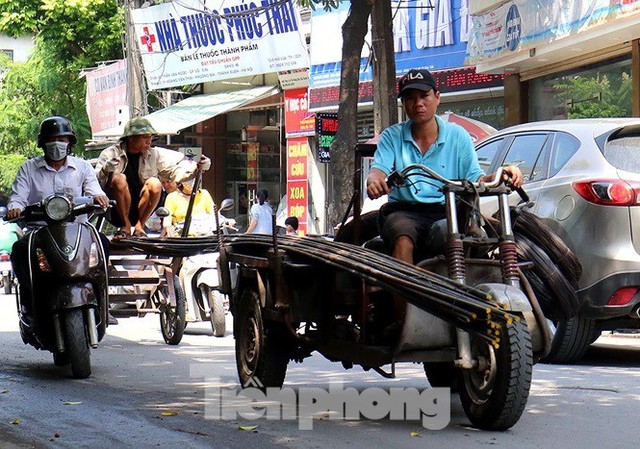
(208, 277)
(71, 296)
(508, 296)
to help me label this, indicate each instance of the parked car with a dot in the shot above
(584, 177)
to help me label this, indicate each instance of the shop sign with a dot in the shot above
(297, 120)
(293, 79)
(326, 129)
(252, 161)
(429, 34)
(185, 42)
(297, 184)
(521, 25)
(107, 96)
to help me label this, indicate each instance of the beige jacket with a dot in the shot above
(159, 162)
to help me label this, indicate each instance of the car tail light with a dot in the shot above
(4, 256)
(609, 192)
(622, 296)
(43, 264)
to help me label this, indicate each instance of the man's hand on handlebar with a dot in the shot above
(13, 213)
(101, 200)
(376, 184)
(511, 174)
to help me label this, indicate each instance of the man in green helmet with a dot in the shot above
(130, 173)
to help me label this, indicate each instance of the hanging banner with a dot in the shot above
(107, 96)
(326, 129)
(521, 25)
(429, 34)
(185, 42)
(297, 119)
(297, 184)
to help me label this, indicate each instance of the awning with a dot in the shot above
(185, 113)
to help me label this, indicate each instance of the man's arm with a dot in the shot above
(20, 193)
(511, 173)
(91, 186)
(376, 185)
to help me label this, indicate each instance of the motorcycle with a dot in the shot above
(201, 282)
(64, 307)
(9, 234)
(471, 318)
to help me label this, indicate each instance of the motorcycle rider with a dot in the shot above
(177, 203)
(57, 171)
(130, 170)
(424, 139)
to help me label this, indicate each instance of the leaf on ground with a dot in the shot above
(415, 433)
(16, 421)
(249, 428)
(72, 403)
(169, 413)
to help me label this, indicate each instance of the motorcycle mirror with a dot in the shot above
(3, 211)
(162, 212)
(227, 204)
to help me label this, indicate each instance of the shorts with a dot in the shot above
(412, 220)
(134, 191)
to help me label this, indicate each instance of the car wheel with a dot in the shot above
(571, 341)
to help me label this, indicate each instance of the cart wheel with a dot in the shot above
(495, 393)
(261, 348)
(216, 313)
(172, 319)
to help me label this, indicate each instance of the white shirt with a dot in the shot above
(263, 214)
(36, 180)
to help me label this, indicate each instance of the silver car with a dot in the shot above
(584, 177)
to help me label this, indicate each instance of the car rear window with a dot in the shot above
(624, 153)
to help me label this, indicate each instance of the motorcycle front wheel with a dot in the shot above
(172, 318)
(216, 312)
(76, 344)
(494, 393)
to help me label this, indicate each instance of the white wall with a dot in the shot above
(21, 46)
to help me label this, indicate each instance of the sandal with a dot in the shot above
(120, 234)
(140, 234)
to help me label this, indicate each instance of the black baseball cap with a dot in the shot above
(420, 79)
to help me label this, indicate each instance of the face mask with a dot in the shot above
(56, 151)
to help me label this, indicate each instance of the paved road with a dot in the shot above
(144, 393)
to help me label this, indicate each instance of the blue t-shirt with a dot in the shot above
(452, 155)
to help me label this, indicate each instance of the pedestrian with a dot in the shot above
(291, 224)
(261, 215)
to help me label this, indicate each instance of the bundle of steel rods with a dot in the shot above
(463, 306)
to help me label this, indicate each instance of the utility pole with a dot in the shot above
(136, 88)
(385, 102)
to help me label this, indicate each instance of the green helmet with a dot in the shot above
(138, 126)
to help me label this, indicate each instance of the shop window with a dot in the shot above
(599, 90)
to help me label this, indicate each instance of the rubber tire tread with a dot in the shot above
(533, 227)
(571, 340)
(273, 357)
(76, 343)
(181, 323)
(510, 392)
(566, 304)
(218, 322)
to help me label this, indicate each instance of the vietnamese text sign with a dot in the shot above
(297, 184)
(520, 25)
(429, 34)
(106, 95)
(185, 42)
(297, 119)
(326, 129)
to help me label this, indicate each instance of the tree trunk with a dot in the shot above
(354, 31)
(385, 101)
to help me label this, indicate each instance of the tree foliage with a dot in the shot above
(69, 35)
(597, 95)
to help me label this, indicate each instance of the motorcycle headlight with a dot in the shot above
(58, 208)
